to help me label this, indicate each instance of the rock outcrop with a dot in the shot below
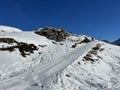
(24, 48)
(53, 33)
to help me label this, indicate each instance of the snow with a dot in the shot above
(55, 66)
(9, 29)
(49, 69)
(102, 75)
(27, 37)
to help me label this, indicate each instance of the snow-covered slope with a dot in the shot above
(9, 29)
(29, 61)
(84, 75)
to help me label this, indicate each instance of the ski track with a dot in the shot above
(40, 73)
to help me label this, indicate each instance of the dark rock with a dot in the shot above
(79, 63)
(97, 47)
(24, 48)
(35, 84)
(42, 46)
(74, 46)
(53, 33)
(68, 75)
(8, 40)
(86, 40)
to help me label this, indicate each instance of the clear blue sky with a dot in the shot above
(97, 18)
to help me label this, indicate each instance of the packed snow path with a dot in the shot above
(41, 73)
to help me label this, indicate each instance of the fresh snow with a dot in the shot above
(9, 29)
(102, 75)
(40, 73)
(57, 66)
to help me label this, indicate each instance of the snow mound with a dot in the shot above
(9, 29)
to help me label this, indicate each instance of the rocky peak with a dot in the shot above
(53, 33)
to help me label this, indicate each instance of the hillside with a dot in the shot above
(54, 59)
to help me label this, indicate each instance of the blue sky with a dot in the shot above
(97, 18)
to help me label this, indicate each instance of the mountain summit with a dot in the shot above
(54, 59)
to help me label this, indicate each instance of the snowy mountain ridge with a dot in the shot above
(53, 59)
(117, 42)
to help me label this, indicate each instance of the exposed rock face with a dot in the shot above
(86, 40)
(24, 48)
(53, 33)
(8, 40)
